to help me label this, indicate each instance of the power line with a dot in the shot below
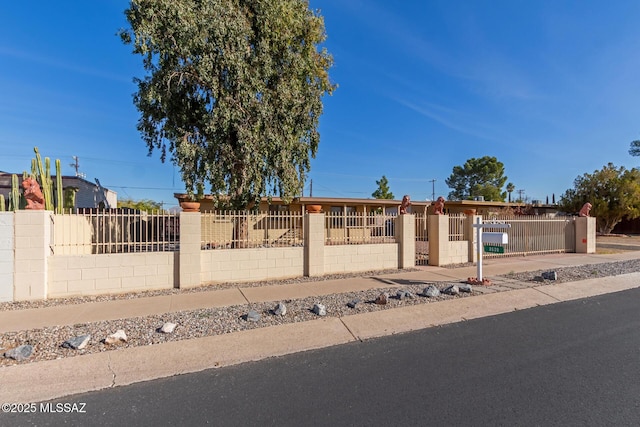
(141, 188)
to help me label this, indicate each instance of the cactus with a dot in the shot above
(70, 197)
(44, 178)
(2, 207)
(59, 192)
(14, 196)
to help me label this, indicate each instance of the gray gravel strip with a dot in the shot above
(48, 342)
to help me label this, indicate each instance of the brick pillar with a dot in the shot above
(406, 238)
(314, 244)
(439, 240)
(6, 256)
(471, 236)
(32, 240)
(586, 235)
(189, 255)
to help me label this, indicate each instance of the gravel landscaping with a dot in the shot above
(47, 343)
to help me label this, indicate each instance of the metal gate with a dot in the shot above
(422, 239)
(538, 235)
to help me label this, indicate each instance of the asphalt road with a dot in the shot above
(574, 363)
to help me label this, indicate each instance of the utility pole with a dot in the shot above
(433, 189)
(520, 193)
(311, 188)
(76, 166)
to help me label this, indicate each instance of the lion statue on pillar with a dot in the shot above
(406, 202)
(585, 209)
(33, 194)
(438, 206)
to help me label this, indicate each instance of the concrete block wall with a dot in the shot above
(30, 269)
(406, 238)
(314, 245)
(190, 244)
(442, 251)
(585, 235)
(6, 256)
(458, 252)
(71, 275)
(32, 247)
(238, 265)
(439, 240)
(351, 258)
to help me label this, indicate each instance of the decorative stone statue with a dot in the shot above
(33, 194)
(438, 206)
(406, 202)
(585, 209)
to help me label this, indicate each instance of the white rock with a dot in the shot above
(168, 328)
(320, 309)
(116, 338)
(280, 309)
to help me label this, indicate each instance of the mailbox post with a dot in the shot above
(492, 237)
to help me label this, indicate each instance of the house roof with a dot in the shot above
(67, 180)
(344, 201)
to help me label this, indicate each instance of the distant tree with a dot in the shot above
(478, 177)
(614, 194)
(233, 91)
(634, 148)
(383, 189)
(510, 188)
(146, 205)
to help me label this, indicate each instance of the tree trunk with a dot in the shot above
(241, 230)
(606, 226)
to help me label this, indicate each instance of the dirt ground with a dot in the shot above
(617, 243)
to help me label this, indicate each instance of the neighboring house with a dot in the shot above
(88, 194)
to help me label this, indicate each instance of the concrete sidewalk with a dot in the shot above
(62, 377)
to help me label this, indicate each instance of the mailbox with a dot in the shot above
(495, 237)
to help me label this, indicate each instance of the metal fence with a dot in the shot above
(94, 231)
(532, 234)
(249, 229)
(422, 238)
(354, 228)
(457, 223)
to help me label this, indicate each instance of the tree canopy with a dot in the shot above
(614, 194)
(478, 177)
(147, 205)
(634, 148)
(233, 91)
(382, 192)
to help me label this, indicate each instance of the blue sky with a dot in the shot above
(550, 88)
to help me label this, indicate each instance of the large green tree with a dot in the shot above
(478, 177)
(383, 191)
(614, 194)
(233, 91)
